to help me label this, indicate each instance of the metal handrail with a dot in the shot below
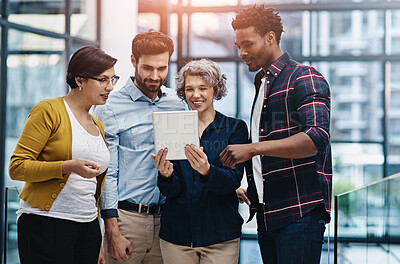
(397, 175)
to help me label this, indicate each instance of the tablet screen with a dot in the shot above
(174, 130)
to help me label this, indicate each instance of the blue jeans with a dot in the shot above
(298, 243)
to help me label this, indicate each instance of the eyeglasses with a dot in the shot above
(104, 81)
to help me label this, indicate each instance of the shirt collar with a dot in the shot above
(275, 68)
(135, 93)
(279, 64)
(217, 123)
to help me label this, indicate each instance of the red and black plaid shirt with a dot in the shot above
(296, 99)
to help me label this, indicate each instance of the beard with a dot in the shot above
(260, 58)
(253, 68)
(154, 87)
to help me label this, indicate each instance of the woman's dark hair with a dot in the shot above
(151, 43)
(86, 62)
(264, 20)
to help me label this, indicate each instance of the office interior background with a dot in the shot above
(355, 44)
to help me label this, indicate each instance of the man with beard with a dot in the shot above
(131, 202)
(289, 160)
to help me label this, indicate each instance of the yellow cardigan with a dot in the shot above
(44, 143)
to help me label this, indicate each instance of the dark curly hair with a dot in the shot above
(151, 43)
(87, 62)
(261, 18)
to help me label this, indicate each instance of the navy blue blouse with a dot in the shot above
(201, 211)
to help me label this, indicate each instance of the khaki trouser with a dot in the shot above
(221, 253)
(142, 231)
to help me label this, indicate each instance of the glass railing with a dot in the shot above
(11, 242)
(367, 223)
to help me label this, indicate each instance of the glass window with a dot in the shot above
(19, 41)
(252, 2)
(185, 35)
(173, 33)
(211, 35)
(394, 119)
(84, 19)
(347, 1)
(246, 92)
(35, 71)
(348, 33)
(294, 32)
(74, 47)
(227, 105)
(45, 14)
(355, 165)
(356, 99)
(213, 2)
(172, 72)
(147, 21)
(11, 241)
(393, 33)
(184, 2)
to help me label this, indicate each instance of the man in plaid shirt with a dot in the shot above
(289, 168)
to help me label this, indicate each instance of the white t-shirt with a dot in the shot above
(255, 126)
(76, 200)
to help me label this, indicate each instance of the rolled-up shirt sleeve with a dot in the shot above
(312, 97)
(109, 196)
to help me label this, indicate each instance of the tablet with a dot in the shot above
(174, 130)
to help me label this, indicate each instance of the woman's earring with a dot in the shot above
(80, 88)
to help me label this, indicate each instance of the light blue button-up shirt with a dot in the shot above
(128, 127)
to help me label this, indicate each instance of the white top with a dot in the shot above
(255, 126)
(76, 201)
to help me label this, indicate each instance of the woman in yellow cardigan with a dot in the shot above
(62, 157)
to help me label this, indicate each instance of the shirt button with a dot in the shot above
(276, 73)
(62, 185)
(262, 130)
(54, 196)
(267, 81)
(47, 208)
(268, 72)
(153, 103)
(265, 106)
